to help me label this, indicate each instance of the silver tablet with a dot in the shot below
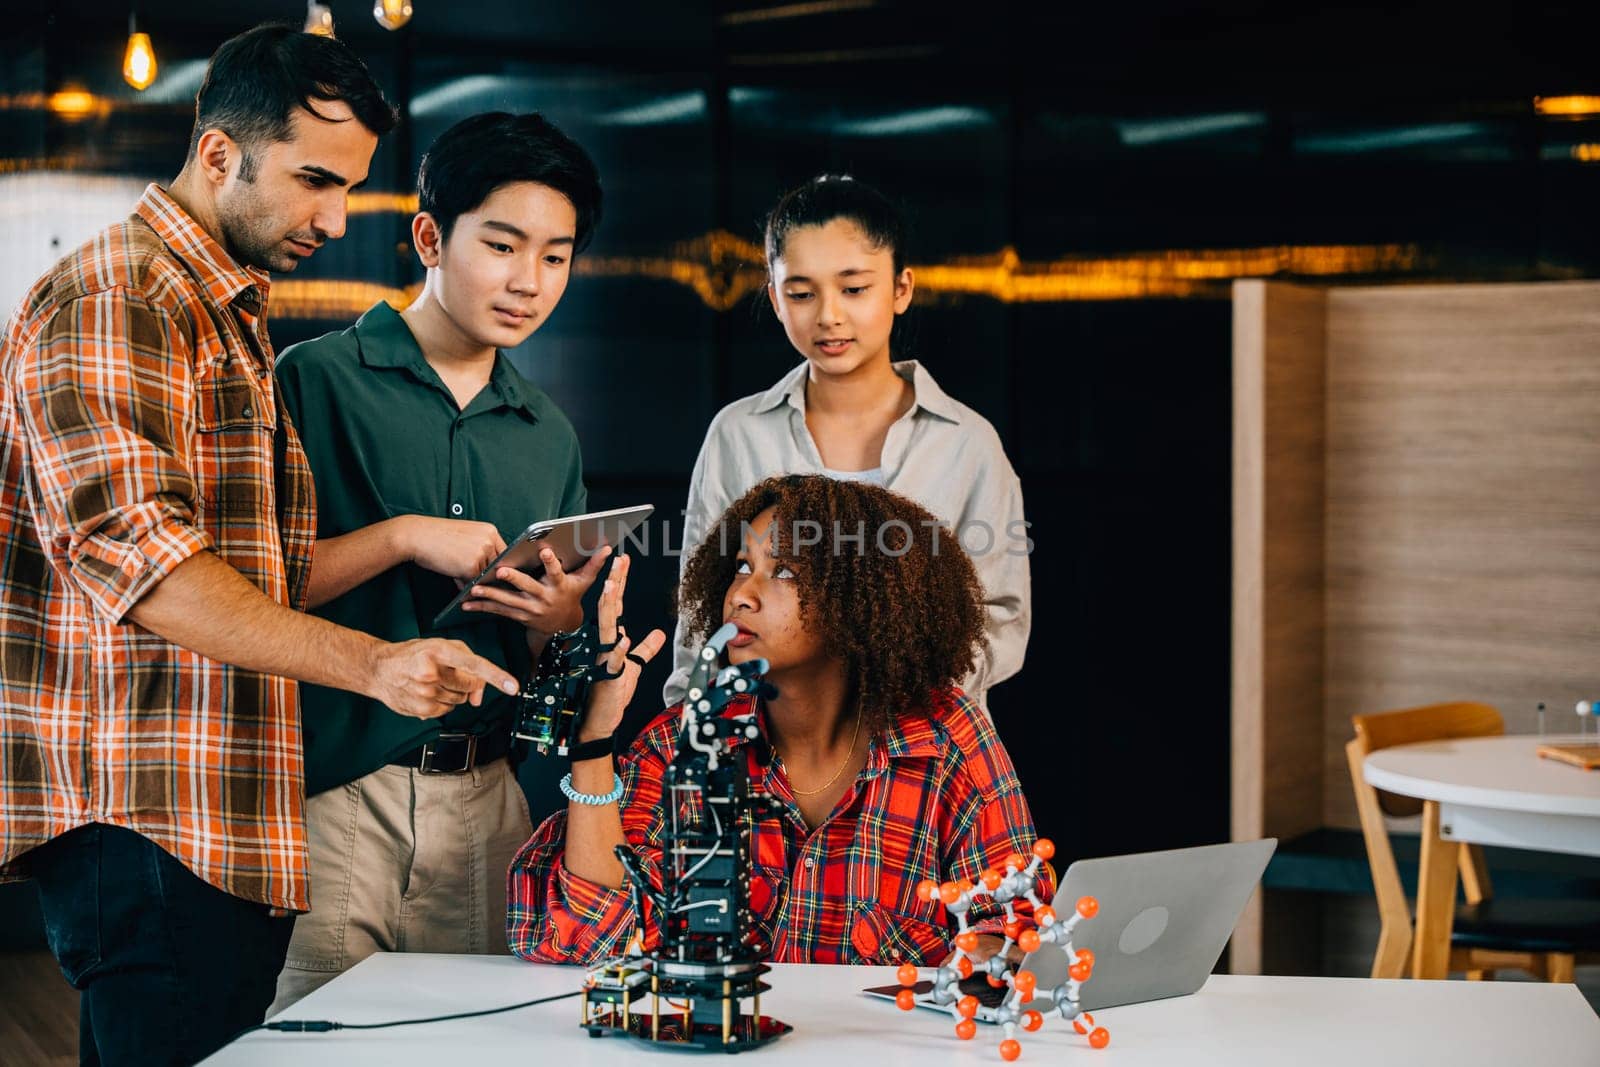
(573, 539)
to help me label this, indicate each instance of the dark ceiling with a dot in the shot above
(1243, 50)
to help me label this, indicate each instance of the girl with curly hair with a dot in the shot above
(867, 612)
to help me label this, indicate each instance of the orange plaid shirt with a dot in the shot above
(139, 425)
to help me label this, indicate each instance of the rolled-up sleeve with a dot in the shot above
(553, 915)
(106, 398)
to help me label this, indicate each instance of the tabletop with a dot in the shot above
(1233, 1020)
(1493, 772)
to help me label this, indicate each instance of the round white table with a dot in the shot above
(1486, 791)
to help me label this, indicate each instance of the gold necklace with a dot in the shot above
(854, 736)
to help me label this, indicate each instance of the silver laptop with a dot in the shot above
(1163, 920)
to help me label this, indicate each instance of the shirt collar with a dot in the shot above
(385, 340)
(222, 278)
(905, 736)
(926, 394)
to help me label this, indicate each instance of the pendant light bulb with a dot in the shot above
(391, 14)
(139, 61)
(319, 19)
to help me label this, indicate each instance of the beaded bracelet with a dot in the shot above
(592, 799)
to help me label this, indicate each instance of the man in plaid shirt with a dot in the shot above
(156, 530)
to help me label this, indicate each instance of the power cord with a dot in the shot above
(322, 1026)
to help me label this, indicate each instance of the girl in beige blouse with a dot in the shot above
(837, 280)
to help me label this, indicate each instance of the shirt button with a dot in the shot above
(894, 954)
(248, 411)
(810, 863)
(455, 509)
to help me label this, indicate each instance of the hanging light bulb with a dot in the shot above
(319, 19)
(139, 61)
(391, 14)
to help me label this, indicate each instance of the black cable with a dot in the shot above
(322, 1026)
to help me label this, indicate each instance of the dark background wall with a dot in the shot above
(1132, 161)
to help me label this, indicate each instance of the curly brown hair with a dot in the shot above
(880, 579)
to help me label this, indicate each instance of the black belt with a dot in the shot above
(456, 753)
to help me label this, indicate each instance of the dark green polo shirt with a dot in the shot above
(385, 438)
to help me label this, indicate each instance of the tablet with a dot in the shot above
(573, 539)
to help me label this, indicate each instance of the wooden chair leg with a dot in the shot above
(1436, 898)
(1480, 975)
(1558, 967)
(1394, 951)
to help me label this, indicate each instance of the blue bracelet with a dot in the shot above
(592, 799)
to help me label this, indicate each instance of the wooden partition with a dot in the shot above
(1416, 519)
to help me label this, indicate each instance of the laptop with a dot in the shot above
(1164, 918)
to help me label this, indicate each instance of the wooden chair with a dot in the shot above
(1542, 937)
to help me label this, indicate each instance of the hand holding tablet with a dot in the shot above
(574, 540)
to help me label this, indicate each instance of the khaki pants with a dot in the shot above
(405, 862)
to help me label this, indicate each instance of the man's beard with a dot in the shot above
(249, 234)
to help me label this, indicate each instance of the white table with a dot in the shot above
(1234, 1020)
(1487, 791)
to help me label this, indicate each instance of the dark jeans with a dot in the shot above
(169, 967)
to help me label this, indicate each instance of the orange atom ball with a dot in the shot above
(965, 884)
(1086, 955)
(1013, 928)
(1032, 1020)
(1017, 860)
(964, 967)
(1044, 848)
(927, 889)
(949, 893)
(1099, 1037)
(1045, 915)
(967, 1007)
(991, 879)
(967, 941)
(1025, 996)
(1010, 1049)
(906, 999)
(965, 1029)
(1088, 907)
(1025, 981)
(1029, 941)
(996, 982)
(1079, 1027)
(1080, 971)
(907, 974)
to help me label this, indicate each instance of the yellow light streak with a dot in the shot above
(1570, 107)
(363, 202)
(722, 269)
(75, 103)
(333, 298)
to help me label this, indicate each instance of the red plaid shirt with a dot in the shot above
(938, 798)
(138, 426)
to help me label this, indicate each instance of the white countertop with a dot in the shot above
(1234, 1020)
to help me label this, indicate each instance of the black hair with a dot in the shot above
(838, 196)
(476, 156)
(256, 80)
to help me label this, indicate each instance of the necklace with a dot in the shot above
(854, 736)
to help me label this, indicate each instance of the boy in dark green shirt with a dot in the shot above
(429, 450)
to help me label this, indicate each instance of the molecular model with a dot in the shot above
(1051, 941)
